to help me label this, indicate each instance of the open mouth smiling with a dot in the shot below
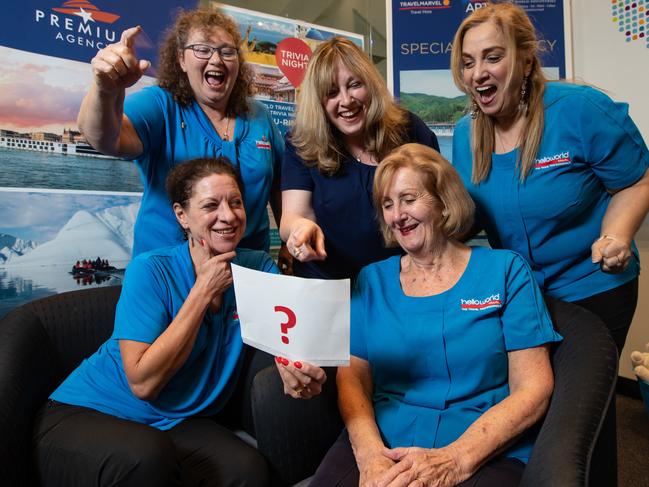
(486, 93)
(407, 229)
(350, 114)
(214, 78)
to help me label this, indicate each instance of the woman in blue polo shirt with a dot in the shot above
(201, 108)
(449, 345)
(558, 171)
(151, 405)
(346, 122)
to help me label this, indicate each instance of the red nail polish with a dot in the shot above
(203, 242)
(298, 364)
(278, 360)
(285, 361)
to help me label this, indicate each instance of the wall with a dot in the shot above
(603, 57)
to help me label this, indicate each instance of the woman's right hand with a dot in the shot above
(116, 67)
(306, 241)
(213, 272)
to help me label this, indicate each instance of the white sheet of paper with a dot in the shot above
(292, 317)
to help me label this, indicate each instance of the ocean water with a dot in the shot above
(32, 169)
(21, 285)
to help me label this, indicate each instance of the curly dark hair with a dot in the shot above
(182, 178)
(171, 75)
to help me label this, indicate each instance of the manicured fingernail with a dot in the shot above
(285, 361)
(278, 360)
(298, 364)
(203, 242)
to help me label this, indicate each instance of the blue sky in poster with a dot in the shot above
(77, 29)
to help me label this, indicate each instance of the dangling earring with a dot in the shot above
(473, 111)
(522, 104)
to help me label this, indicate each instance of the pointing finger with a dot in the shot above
(129, 35)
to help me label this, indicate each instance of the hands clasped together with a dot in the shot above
(412, 467)
(612, 253)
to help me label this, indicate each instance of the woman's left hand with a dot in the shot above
(612, 253)
(301, 380)
(423, 467)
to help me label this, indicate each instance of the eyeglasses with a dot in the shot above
(203, 51)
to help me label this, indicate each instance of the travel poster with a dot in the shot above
(420, 35)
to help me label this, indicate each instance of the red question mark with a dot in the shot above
(290, 323)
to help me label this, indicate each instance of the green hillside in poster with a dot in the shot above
(434, 109)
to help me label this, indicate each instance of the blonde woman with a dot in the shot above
(449, 345)
(346, 122)
(558, 171)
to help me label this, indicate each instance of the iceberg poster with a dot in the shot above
(45, 236)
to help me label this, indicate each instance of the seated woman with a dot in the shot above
(449, 345)
(148, 407)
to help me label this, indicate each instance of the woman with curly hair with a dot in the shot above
(201, 108)
(346, 122)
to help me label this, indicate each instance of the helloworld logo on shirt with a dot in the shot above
(474, 304)
(559, 159)
(263, 143)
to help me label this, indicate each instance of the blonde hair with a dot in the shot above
(315, 139)
(521, 45)
(438, 177)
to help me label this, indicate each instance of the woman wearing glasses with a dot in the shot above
(201, 108)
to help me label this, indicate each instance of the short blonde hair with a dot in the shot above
(315, 139)
(439, 179)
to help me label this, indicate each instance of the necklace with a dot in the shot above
(225, 135)
(368, 157)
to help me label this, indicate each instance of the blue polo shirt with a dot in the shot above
(440, 362)
(344, 209)
(589, 144)
(171, 134)
(155, 287)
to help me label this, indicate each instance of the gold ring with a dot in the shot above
(299, 390)
(297, 252)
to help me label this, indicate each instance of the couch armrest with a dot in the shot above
(585, 373)
(293, 435)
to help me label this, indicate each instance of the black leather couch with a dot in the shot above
(42, 341)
